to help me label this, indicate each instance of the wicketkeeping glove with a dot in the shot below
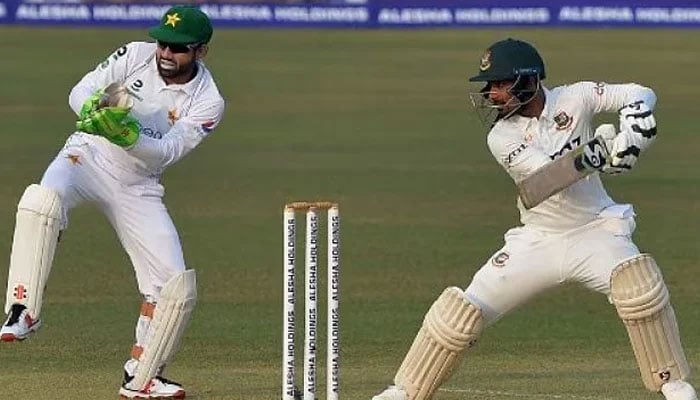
(91, 103)
(637, 118)
(113, 123)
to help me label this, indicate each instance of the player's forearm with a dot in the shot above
(161, 153)
(617, 96)
(518, 158)
(527, 165)
(86, 87)
(644, 94)
(93, 81)
(78, 95)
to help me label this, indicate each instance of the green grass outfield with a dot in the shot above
(380, 122)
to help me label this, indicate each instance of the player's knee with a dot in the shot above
(637, 288)
(41, 200)
(489, 314)
(182, 277)
(453, 320)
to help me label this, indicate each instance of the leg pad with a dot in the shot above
(643, 303)
(33, 247)
(170, 318)
(451, 326)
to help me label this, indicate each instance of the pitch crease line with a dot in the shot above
(523, 395)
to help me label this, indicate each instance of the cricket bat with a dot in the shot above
(561, 173)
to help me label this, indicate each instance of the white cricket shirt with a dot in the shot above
(522, 144)
(174, 118)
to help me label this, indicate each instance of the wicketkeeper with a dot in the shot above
(577, 235)
(141, 110)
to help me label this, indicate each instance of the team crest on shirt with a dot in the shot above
(499, 260)
(563, 120)
(172, 116)
(73, 159)
(485, 61)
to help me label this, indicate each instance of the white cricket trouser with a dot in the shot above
(133, 205)
(533, 261)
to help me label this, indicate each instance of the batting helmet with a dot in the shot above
(508, 60)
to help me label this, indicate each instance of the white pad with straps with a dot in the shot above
(642, 301)
(451, 326)
(171, 315)
(33, 247)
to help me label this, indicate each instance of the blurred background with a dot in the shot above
(363, 102)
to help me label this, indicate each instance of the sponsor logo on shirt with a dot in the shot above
(600, 88)
(572, 144)
(151, 133)
(508, 160)
(499, 260)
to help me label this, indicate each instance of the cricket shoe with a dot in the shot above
(391, 393)
(157, 388)
(678, 390)
(19, 324)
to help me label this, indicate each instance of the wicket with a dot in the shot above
(311, 304)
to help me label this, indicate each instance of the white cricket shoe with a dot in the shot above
(157, 388)
(678, 390)
(19, 324)
(391, 393)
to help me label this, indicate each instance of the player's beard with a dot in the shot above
(172, 69)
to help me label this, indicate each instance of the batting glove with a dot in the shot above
(113, 123)
(638, 119)
(592, 156)
(623, 148)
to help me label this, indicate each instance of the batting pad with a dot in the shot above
(451, 326)
(33, 247)
(642, 301)
(172, 312)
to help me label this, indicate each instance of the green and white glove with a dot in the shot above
(113, 123)
(91, 104)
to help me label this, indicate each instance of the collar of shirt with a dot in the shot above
(526, 122)
(188, 88)
(548, 100)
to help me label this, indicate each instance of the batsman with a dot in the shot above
(144, 108)
(578, 235)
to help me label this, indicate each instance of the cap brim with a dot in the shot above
(164, 34)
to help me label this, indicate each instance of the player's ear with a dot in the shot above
(202, 51)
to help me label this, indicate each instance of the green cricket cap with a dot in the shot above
(184, 25)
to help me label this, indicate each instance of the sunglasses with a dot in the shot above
(177, 47)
